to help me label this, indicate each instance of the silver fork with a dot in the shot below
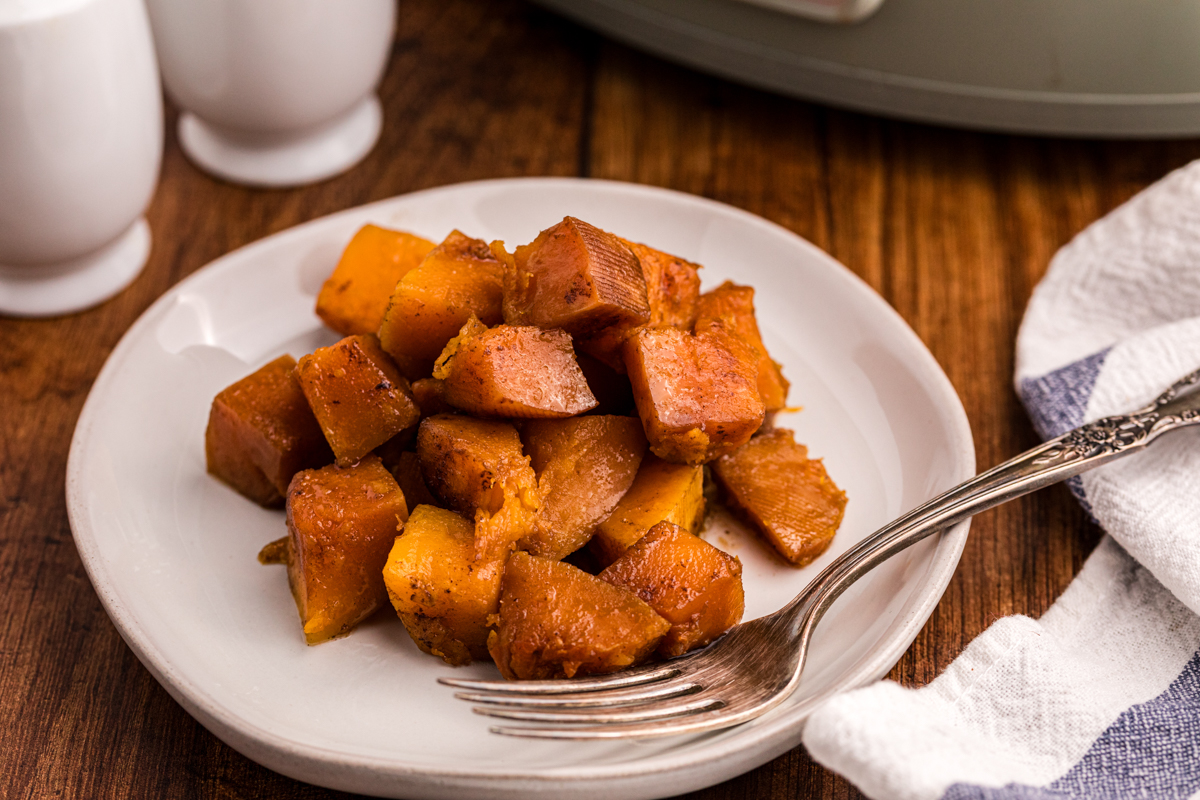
(757, 664)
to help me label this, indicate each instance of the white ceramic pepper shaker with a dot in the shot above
(275, 92)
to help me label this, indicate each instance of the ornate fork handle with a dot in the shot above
(1074, 452)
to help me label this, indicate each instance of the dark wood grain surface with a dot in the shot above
(953, 228)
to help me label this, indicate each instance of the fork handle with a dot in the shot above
(1074, 452)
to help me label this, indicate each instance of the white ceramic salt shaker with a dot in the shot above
(80, 147)
(275, 92)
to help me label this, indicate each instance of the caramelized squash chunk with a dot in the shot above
(691, 584)
(697, 394)
(442, 594)
(478, 469)
(584, 467)
(430, 394)
(576, 277)
(773, 484)
(458, 278)
(406, 469)
(556, 621)
(261, 432)
(355, 296)
(341, 523)
(660, 491)
(672, 291)
(513, 371)
(734, 305)
(358, 397)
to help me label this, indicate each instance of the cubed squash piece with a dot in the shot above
(660, 491)
(691, 584)
(556, 621)
(584, 466)
(357, 395)
(513, 371)
(355, 296)
(672, 290)
(773, 484)
(478, 469)
(261, 432)
(442, 594)
(430, 394)
(341, 523)
(406, 469)
(697, 394)
(576, 277)
(459, 278)
(735, 306)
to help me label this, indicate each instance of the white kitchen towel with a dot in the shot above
(1100, 698)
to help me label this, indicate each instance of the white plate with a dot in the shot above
(171, 551)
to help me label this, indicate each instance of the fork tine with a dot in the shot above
(603, 715)
(619, 680)
(694, 723)
(620, 697)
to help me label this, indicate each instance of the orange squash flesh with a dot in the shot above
(261, 432)
(691, 584)
(773, 484)
(341, 523)
(660, 491)
(478, 469)
(556, 621)
(441, 593)
(576, 277)
(430, 394)
(697, 394)
(584, 466)
(513, 371)
(359, 398)
(672, 293)
(734, 305)
(459, 278)
(355, 296)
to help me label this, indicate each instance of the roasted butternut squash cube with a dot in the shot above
(406, 469)
(773, 484)
(355, 296)
(734, 305)
(430, 394)
(261, 432)
(478, 469)
(584, 466)
(513, 371)
(442, 594)
(697, 394)
(458, 278)
(672, 291)
(660, 491)
(576, 277)
(556, 621)
(357, 395)
(691, 584)
(341, 522)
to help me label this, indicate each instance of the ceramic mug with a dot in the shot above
(80, 147)
(275, 92)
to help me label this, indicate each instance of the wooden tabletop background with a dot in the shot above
(953, 228)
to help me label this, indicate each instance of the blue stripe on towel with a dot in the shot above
(1151, 751)
(1057, 401)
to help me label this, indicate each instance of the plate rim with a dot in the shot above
(771, 735)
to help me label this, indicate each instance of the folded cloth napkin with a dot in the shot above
(1100, 698)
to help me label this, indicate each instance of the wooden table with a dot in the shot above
(953, 228)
